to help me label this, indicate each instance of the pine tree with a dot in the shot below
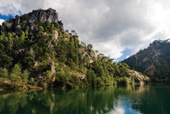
(15, 75)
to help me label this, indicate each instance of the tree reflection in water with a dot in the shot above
(89, 101)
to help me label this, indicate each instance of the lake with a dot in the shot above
(147, 99)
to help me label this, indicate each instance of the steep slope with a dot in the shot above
(36, 50)
(153, 61)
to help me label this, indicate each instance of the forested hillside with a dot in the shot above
(35, 50)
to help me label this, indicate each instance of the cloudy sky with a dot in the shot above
(117, 28)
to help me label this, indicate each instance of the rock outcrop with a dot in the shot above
(49, 15)
(138, 77)
(86, 53)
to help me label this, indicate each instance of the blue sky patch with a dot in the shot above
(126, 53)
(6, 17)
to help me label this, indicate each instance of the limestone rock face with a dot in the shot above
(55, 35)
(138, 77)
(83, 52)
(43, 15)
(17, 19)
(49, 15)
(31, 19)
(90, 55)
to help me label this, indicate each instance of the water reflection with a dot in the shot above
(120, 100)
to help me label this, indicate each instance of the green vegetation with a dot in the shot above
(48, 56)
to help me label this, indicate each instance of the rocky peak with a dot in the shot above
(159, 42)
(49, 15)
(31, 19)
(43, 15)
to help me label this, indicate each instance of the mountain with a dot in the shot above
(153, 61)
(36, 51)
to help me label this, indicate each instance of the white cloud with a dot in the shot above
(9, 6)
(110, 25)
(1, 21)
(117, 110)
(123, 108)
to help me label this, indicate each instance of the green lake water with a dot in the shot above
(148, 99)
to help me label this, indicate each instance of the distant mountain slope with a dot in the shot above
(153, 61)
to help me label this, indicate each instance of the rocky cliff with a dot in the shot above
(30, 19)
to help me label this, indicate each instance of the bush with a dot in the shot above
(61, 79)
(32, 81)
(15, 75)
(76, 80)
(3, 72)
(100, 82)
(123, 81)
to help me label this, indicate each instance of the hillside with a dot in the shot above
(153, 61)
(35, 50)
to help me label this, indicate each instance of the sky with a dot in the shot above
(117, 28)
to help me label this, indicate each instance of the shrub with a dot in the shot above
(32, 81)
(123, 81)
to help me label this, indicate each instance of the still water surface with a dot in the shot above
(148, 99)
